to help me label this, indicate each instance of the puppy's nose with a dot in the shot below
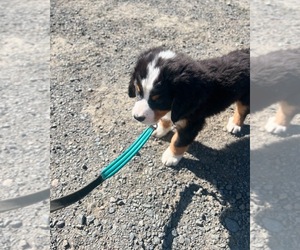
(139, 118)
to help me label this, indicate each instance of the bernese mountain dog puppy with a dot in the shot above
(275, 77)
(172, 88)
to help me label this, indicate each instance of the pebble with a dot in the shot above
(156, 240)
(23, 244)
(174, 232)
(45, 223)
(96, 222)
(199, 223)
(16, 224)
(7, 182)
(60, 224)
(238, 196)
(181, 239)
(120, 202)
(272, 225)
(132, 236)
(90, 219)
(113, 200)
(231, 225)
(65, 244)
(81, 219)
(150, 212)
(111, 210)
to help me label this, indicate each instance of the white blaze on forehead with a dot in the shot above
(167, 54)
(153, 72)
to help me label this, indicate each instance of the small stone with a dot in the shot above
(81, 219)
(231, 225)
(272, 225)
(111, 210)
(238, 196)
(150, 213)
(65, 244)
(90, 219)
(100, 228)
(187, 241)
(95, 234)
(156, 240)
(120, 203)
(72, 79)
(23, 244)
(45, 223)
(54, 183)
(96, 222)
(132, 236)
(7, 182)
(113, 200)
(174, 232)
(16, 224)
(181, 239)
(60, 224)
(199, 223)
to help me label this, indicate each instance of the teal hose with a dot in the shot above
(106, 172)
(127, 155)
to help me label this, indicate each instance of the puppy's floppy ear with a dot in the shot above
(131, 89)
(188, 96)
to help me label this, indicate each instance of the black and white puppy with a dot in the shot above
(171, 88)
(275, 78)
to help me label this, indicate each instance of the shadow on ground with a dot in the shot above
(275, 179)
(229, 170)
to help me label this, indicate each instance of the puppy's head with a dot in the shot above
(149, 84)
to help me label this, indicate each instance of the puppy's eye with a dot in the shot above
(138, 91)
(155, 97)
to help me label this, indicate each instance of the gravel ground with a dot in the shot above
(275, 197)
(24, 120)
(203, 203)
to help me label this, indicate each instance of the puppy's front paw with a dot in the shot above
(161, 131)
(232, 127)
(169, 159)
(273, 127)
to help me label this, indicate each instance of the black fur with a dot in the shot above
(194, 90)
(275, 77)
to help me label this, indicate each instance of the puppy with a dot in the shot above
(171, 88)
(275, 77)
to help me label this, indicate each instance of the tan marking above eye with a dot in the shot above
(155, 97)
(137, 88)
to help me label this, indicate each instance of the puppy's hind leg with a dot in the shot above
(235, 123)
(164, 126)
